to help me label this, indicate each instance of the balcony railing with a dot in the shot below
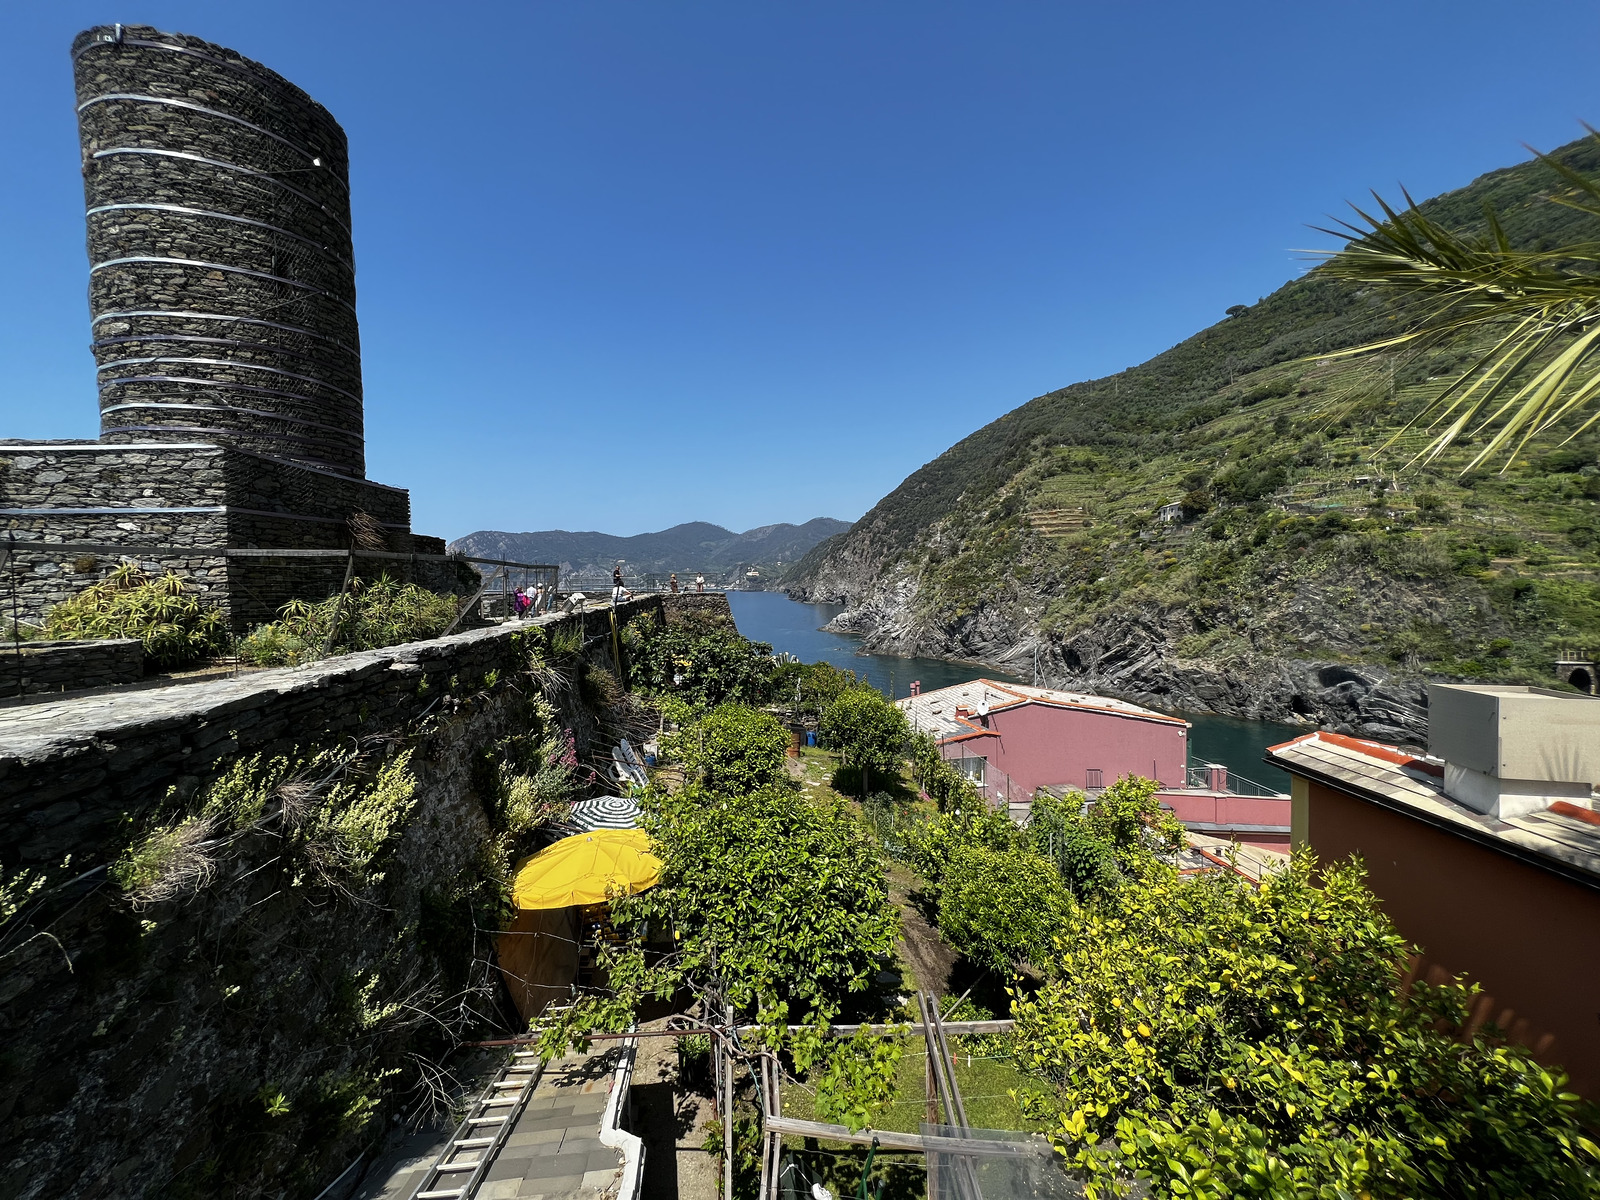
(1214, 777)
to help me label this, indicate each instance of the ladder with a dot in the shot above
(460, 1166)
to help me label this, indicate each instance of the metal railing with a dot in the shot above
(1214, 777)
(652, 581)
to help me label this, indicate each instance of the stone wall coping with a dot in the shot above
(107, 512)
(62, 644)
(70, 728)
(145, 447)
(227, 509)
(112, 447)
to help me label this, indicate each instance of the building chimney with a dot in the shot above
(1512, 750)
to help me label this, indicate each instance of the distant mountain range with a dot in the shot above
(694, 546)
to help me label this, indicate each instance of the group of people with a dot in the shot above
(525, 603)
(532, 602)
(699, 583)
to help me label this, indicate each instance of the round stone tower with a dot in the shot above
(222, 276)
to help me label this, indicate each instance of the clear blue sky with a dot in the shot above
(628, 264)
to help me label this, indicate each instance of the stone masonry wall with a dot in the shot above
(232, 1042)
(188, 498)
(33, 668)
(69, 771)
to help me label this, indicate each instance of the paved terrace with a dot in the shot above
(553, 1151)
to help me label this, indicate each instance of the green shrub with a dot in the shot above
(732, 749)
(1001, 907)
(1246, 482)
(359, 818)
(867, 729)
(808, 687)
(162, 612)
(533, 800)
(930, 845)
(944, 784)
(702, 659)
(1085, 859)
(168, 862)
(775, 896)
(370, 616)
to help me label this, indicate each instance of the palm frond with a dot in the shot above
(1542, 307)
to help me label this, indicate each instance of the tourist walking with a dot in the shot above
(673, 583)
(520, 603)
(538, 599)
(616, 586)
(699, 583)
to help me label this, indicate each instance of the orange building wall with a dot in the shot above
(1529, 937)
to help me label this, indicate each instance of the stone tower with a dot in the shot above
(221, 268)
(222, 307)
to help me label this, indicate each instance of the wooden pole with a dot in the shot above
(727, 1109)
(771, 1143)
(16, 616)
(338, 609)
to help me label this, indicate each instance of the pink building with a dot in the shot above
(1012, 740)
(1039, 737)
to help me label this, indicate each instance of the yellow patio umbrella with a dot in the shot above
(582, 869)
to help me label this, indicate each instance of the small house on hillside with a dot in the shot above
(1013, 739)
(1170, 514)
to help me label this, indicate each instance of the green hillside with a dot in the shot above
(1302, 537)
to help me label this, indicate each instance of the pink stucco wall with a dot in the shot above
(1254, 820)
(1039, 745)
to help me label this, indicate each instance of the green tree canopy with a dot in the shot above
(778, 904)
(701, 659)
(809, 687)
(732, 749)
(1222, 1040)
(779, 896)
(1001, 907)
(869, 730)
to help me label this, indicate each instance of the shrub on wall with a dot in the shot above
(161, 611)
(371, 615)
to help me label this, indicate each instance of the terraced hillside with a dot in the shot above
(1303, 573)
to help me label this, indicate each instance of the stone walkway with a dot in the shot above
(553, 1151)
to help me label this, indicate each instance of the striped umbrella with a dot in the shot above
(605, 812)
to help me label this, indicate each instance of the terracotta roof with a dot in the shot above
(1564, 838)
(934, 712)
